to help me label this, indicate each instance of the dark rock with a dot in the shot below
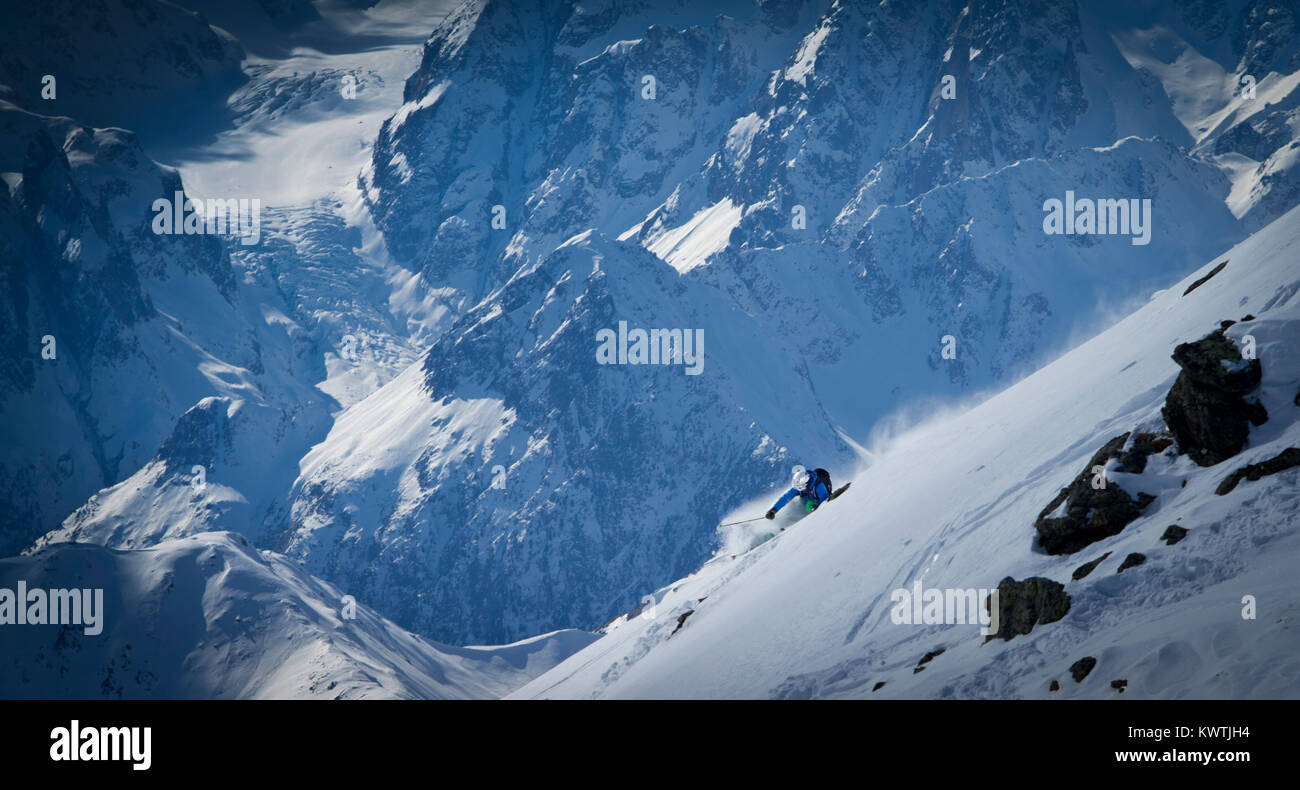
(1201, 281)
(1088, 567)
(1211, 427)
(1203, 362)
(927, 658)
(1286, 459)
(1297, 399)
(628, 615)
(878, 686)
(201, 436)
(1056, 686)
(1134, 460)
(681, 621)
(1224, 324)
(1022, 605)
(1205, 409)
(1173, 534)
(1080, 669)
(1119, 685)
(1091, 514)
(1247, 317)
(1131, 561)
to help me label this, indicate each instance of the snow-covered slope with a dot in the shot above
(951, 503)
(211, 617)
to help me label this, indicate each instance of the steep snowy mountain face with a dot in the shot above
(187, 360)
(186, 374)
(1172, 579)
(848, 199)
(112, 330)
(210, 617)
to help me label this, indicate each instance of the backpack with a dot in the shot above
(824, 477)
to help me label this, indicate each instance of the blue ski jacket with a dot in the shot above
(817, 491)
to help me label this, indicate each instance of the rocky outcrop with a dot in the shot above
(1088, 567)
(1024, 604)
(1202, 281)
(927, 658)
(681, 620)
(1173, 534)
(1131, 561)
(1206, 409)
(1091, 514)
(1134, 459)
(1080, 669)
(1288, 458)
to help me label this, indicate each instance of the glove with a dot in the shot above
(771, 514)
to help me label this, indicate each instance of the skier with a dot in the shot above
(812, 488)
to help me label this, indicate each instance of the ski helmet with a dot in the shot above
(799, 477)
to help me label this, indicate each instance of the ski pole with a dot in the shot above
(746, 521)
